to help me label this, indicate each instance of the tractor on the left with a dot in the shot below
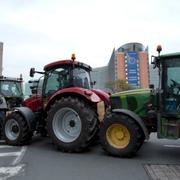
(11, 95)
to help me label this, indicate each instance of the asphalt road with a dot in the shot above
(41, 161)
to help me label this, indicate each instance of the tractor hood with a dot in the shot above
(131, 92)
(135, 100)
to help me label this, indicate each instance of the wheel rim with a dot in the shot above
(12, 129)
(66, 125)
(118, 136)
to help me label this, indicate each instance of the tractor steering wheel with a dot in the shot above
(175, 85)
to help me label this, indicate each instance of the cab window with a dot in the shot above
(56, 79)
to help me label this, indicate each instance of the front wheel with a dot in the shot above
(120, 135)
(16, 130)
(72, 124)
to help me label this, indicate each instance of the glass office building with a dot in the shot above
(129, 62)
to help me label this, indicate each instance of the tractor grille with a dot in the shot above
(127, 103)
(115, 102)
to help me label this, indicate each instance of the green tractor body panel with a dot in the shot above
(135, 100)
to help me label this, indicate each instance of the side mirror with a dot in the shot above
(32, 72)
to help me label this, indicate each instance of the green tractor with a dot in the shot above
(136, 113)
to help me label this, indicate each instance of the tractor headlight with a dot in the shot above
(1, 100)
(101, 110)
(3, 104)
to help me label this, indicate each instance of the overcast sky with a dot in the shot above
(37, 32)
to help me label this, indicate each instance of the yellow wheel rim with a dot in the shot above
(118, 136)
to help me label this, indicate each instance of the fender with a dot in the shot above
(3, 103)
(135, 117)
(103, 95)
(28, 115)
(34, 103)
(87, 94)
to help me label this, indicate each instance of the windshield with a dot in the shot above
(57, 79)
(81, 78)
(171, 83)
(65, 77)
(11, 88)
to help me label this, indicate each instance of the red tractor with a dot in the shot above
(67, 108)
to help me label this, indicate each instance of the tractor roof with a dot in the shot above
(66, 62)
(171, 55)
(3, 78)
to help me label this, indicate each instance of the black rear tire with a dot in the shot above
(120, 135)
(72, 124)
(16, 130)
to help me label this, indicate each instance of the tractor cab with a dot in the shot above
(65, 75)
(168, 95)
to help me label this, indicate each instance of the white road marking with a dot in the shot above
(172, 146)
(5, 146)
(10, 154)
(15, 168)
(20, 156)
(7, 172)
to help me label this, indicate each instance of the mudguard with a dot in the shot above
(73, 91)
(2, 119)
(3, 103)
(103, 95)
(135, 117)
(28, 115)
(3, 109)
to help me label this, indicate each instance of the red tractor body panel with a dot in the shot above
(94, 96)
(34, 103)
(75, 91)
(103, 95)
